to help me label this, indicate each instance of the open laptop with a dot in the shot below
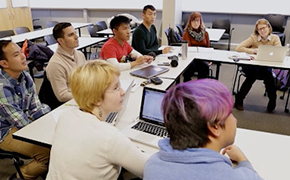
(114, 117)
(149, 129)
(149, 71)
(271, 53)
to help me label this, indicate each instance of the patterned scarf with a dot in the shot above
(198, 36)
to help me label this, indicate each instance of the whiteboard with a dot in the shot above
(3, 4)
(95, 4)
(20, 3)
(237, 6)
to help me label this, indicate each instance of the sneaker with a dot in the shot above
(271, 106)
(239, 104)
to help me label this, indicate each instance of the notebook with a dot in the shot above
(271, 53)
(149, 71)
(149, 128)
(114, 117)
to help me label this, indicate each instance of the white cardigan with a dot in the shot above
(85, 148)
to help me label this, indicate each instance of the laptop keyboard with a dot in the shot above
(111, 117)
(151, 129)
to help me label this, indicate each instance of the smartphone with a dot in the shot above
(156, 80)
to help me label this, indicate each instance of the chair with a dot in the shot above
(51, 23)
(50, 39)
(224, 24)
(277, 22)
(180, 29)
(16, 160)
(103, 24)
(93, 29)
(46, 94)
(35, 26)
(173, 37)
(21, 30)
(6, 33)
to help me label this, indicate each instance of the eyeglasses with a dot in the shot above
(196, 20)
(262, 28)
(117, 89)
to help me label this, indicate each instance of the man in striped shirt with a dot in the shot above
(19, 106)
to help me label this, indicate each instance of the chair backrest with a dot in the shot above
(180, 29)
(277, 21)
(103, 24)
(50, 39)
(6, 33)
(46, 94)
(93, 29)
(51, 23)
(21, 30)
(222, 24)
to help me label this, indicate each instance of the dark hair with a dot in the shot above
(148, 7)
(189, 107)
(3, 44)
(117, 21)
(57, 30)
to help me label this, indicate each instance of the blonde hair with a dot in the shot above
(89, 82)
(263, 22)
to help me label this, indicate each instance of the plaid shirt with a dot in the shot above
(19, 103)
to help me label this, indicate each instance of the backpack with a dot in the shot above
(174, 37)
(281, 78)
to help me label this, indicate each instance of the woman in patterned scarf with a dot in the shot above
(196, 35)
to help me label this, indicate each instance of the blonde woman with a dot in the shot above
(262, 36)
(85, 146)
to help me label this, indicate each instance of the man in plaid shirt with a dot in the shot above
(19, 106)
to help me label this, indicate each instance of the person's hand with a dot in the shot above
(234, 153)
(255, 51)
(148, 58)
(167, 50)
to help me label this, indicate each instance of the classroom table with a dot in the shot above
(268, 152)
(40, 33)
(108, 32)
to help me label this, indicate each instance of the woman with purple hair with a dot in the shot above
(201, 127)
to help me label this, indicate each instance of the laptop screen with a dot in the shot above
(151, 105)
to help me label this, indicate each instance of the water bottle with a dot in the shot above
(184, 50)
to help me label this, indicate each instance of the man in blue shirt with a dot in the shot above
(144, 38)
(19, 106)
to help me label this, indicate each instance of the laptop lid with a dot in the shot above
(150, 113)
(149, 71)
(114, 117)
(271, 53)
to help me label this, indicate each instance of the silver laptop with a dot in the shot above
(149, 71)
(271, 53)
(114, 117)
(149, 129)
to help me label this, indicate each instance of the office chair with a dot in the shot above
(93, 29)
(51, 23)
(16, 160)
(35, 26)
(242, 73)
(224, 24)
(6, 33)
(103, 24)
(277, 22)
(50, 39)
(21, 30)
(180, 29)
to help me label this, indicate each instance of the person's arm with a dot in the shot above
(246, 46)
(120, 66)
(207, 39)
(276, 40)
(186, 37)
(243, 164)
(59, 82)
(125, 154)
